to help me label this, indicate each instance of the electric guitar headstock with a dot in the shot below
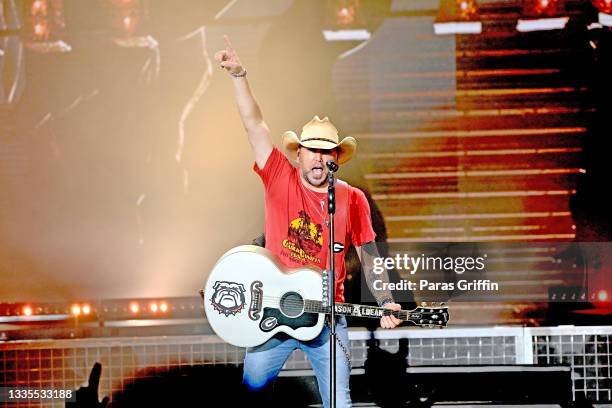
(429, 314)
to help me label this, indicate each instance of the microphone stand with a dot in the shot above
(331, 210)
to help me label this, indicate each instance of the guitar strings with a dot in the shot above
(276, 301)
(273, 301)
(430, 309)
(401, 314)
(276, 298)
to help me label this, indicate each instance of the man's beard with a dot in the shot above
(314, 182)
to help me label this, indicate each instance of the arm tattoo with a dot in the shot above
(368, 253)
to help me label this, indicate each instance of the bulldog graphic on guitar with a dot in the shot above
(249, 296)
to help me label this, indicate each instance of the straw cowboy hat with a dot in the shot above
(319, 134)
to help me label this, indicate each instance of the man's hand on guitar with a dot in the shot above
(389, 322)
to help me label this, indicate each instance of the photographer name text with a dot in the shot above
(476, 285)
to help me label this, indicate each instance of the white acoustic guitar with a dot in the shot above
(249, 297)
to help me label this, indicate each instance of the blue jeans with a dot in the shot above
(263, 363)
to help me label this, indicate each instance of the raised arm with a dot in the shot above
(250, 113)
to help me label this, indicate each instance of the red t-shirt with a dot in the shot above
(296, 230)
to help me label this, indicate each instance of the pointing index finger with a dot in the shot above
(228, 44)
(94, 376)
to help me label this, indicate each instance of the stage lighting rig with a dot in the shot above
(353, 20)
(130, 18)
(542, 15)
(457, 17)
(605, 11)
(100, 310)
(27, 310)
(47, 26)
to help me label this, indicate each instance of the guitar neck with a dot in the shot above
(349, 309)
(421, 316)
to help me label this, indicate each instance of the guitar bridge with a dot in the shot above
(256, 300)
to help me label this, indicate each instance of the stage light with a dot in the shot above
(41, 31)
(467, 9)
(75, 310)
(602, 296)
(604, 6)
(86, 309)
(134, 307)
(27, 310)
(542, 8)
(130, 23)
(130, 17)
(457, 17)
(39, 6)
(542, 15)
(47, 26)
(345, 15)
(127, 15)
(605, 11)
(352, 20)
(163, 307)
(153, 307)
(547, 7)
(40, 21)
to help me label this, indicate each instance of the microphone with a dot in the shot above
(332, 166)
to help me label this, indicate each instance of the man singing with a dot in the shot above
(296, 228)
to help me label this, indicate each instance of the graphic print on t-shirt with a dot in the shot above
(304, 240)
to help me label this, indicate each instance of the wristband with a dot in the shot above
(240, 74)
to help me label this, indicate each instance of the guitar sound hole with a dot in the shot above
(292, 304)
